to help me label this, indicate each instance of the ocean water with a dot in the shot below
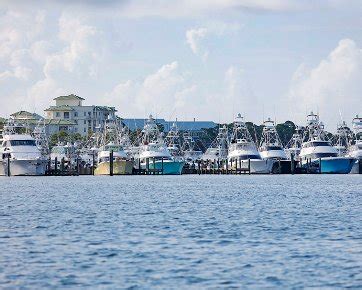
(181, 232)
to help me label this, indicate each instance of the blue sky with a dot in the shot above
(185, 59)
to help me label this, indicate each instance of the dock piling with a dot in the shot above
(111, 163)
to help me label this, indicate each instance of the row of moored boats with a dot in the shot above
(27, 153)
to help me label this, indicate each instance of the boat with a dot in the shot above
(341, 139)
(243, 152)
(355, 148)
(189, 148)
(295, 144)
(218, 150)
(65, 154)
(173, 143)
(111, 149)
(153, 152)
(271, 146)
(317, 153)
(41, 138)
(20, 154)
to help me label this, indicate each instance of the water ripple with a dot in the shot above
(181, 232)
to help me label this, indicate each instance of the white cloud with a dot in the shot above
(74, 61)
(239, 94)
(334, 84)
(194, 37)
(159, 91)
(196, 8)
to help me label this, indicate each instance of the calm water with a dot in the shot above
(181, 232)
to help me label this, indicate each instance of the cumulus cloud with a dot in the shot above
(159, 91)
(238, 92)
(333, 85)
(74, 60)
(195, 36)
(172, 91)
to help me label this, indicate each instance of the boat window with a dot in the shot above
(22, 142)
(320, 143)
(273, 148)
(321, 155)
(246, 157)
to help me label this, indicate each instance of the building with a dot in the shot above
(134, 124)
(69, 114)
(30, 120)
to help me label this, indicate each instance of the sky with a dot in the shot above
(185, 59)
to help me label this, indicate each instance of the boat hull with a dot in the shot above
(257, 166)
(169, 167)
(25, 167)
(120, 167)
(337, 165)
(333, 165)
(357, 167)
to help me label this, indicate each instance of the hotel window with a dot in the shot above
(85, 122)
(85, 130)
(85, 114)
(75, 114)
(66, 115)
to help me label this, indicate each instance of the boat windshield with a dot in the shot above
(22, 142)
(322, 155)
(246, 157)
(316, 144)
(270, 147)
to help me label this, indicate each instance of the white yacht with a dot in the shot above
(271, 146)
(341, 139)
(295, 144)
(153, 152)
(110, 142)
(173, 143)
(19, 151)
(189, 148)
(66, 152)
(355, 149)
(41, 138)
(242, 149)
(316, 148)
(218, 149)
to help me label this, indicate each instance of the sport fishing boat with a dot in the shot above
(218, 149)
(317, 153)
(173, 141)
(65, 153)
(355, 149)
(242, 150)
(110, 144)
(41, 138)
(189, 148)
(271, 146)
(295, 144)
(153, 152)
(341, 140)
(20, 155)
